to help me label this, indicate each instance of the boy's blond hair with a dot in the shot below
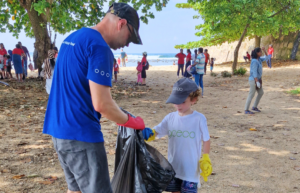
(195, 95)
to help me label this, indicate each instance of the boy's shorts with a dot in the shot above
(84, 164)
(178, 185)
(211, 68)
(115, 72)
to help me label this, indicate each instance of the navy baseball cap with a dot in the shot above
(125, 11)
(181, 90)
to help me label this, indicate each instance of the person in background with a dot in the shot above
(17, 55)
(119, 61)
(194, 56)
(255, 79)
(139, 69)
(123, 57)
(51, 55)
(188, 63)
(211, 64)
(207, 59)
(26, 52)
(3, 52)
(247, 57)
(270, 53)
(187, 131)
(181, 56)
(116, 70)
(56, 52)
(81, 94)
(8, 65)
(200, 63)
(144, 63)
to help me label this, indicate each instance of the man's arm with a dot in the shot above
(27, 53)
(104, 104)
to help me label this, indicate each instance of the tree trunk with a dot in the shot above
(295, 47)
(257, 41)
(236, 51)
(39, 26)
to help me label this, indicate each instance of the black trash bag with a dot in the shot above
(139, 168)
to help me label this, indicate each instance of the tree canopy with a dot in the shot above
(226, 20)
(232, 20)
(63, 15)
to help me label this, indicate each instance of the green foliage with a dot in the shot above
(241, 71)
(225, 74)
(65, 15)
(226, 20)
(295, 92)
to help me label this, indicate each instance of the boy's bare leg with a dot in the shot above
(69, 191)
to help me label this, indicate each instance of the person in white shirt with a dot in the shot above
(187, 129)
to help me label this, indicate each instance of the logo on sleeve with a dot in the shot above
(97, 71)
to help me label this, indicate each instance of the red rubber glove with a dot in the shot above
(134, 123)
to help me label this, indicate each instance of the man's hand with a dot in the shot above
(205, 166)
(134, 123)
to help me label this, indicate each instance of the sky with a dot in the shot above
(171, 26)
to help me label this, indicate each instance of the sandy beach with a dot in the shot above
(266, 160)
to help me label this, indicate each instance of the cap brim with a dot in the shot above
(136, 37)
(177, 100)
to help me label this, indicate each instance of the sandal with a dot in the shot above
(255, 109)
(249, 112)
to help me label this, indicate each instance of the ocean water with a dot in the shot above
(154, 59)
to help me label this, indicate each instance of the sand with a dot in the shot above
(245, 161)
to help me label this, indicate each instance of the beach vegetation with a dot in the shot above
(235, 20)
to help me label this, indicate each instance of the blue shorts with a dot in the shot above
(211, 68)
(115, 72)
(178, 185)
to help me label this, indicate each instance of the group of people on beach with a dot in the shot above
(199, 60)
(16, 58)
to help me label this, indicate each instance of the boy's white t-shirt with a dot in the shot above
(186, 134)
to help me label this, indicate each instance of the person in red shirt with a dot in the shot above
(116, 70)
(17, 55)
(3, 52)
(188, 62)
(207, 59)
(270, 53)
(181, 56)
(247, 57)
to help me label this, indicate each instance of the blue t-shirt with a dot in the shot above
(83, 56)
(123, 54)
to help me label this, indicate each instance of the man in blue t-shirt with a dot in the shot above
(80, 95)
(123, 57)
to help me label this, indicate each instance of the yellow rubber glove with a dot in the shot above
(152, 137)
(205, 166)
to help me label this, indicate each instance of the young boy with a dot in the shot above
(8, 66)
(187, 129)
(211, 64)
(116, 70)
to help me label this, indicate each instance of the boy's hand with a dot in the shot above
(205, 166)
(148, 134)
